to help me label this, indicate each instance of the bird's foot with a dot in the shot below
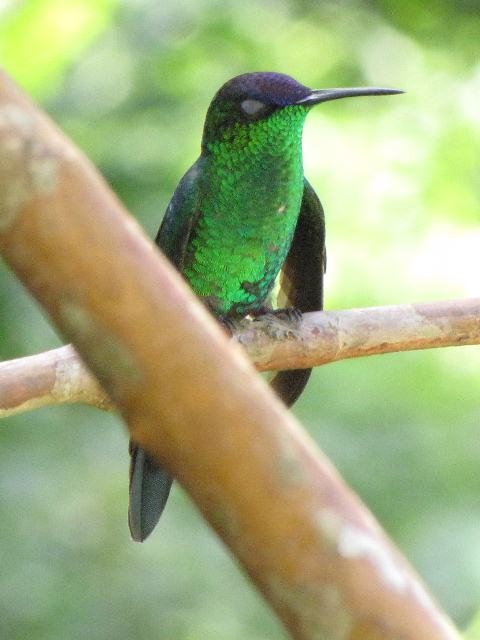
(231, 325)
(288, 314)
(280, 323)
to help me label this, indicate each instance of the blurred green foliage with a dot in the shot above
(473, 630)
(400, 181)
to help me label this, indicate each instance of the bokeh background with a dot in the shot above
(399, 177)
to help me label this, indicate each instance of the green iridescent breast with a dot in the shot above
(248, 204)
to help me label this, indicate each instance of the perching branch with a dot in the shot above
(329, 336)
(59, 376)
(191, 398)
(54, 377)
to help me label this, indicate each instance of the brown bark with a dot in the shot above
(59, 376)
(192, 399)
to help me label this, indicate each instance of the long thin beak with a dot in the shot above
(323, 95)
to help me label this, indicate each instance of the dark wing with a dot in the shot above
(180, 217)
(301, 281)
(149, 483)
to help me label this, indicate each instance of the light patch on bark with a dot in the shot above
(329, 523)
(74, 383)
(28, 166)
(354, 542)
(290, 469)
(68, 381)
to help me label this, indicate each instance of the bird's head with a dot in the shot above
(252, 98)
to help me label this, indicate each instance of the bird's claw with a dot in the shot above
(288, 314)
(281, 323)
(230, 325)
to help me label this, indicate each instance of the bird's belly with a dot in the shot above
(235, 278)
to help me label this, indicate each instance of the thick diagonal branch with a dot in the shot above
(192, 400)
(59, 376)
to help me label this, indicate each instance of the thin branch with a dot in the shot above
(45, 379)
(59, 376)
(329, 336)
(191, 398)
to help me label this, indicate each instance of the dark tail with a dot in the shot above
(289, 384)
(149, 489)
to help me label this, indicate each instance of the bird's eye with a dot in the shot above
(253, 107)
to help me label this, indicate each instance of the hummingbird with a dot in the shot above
(241, 218)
